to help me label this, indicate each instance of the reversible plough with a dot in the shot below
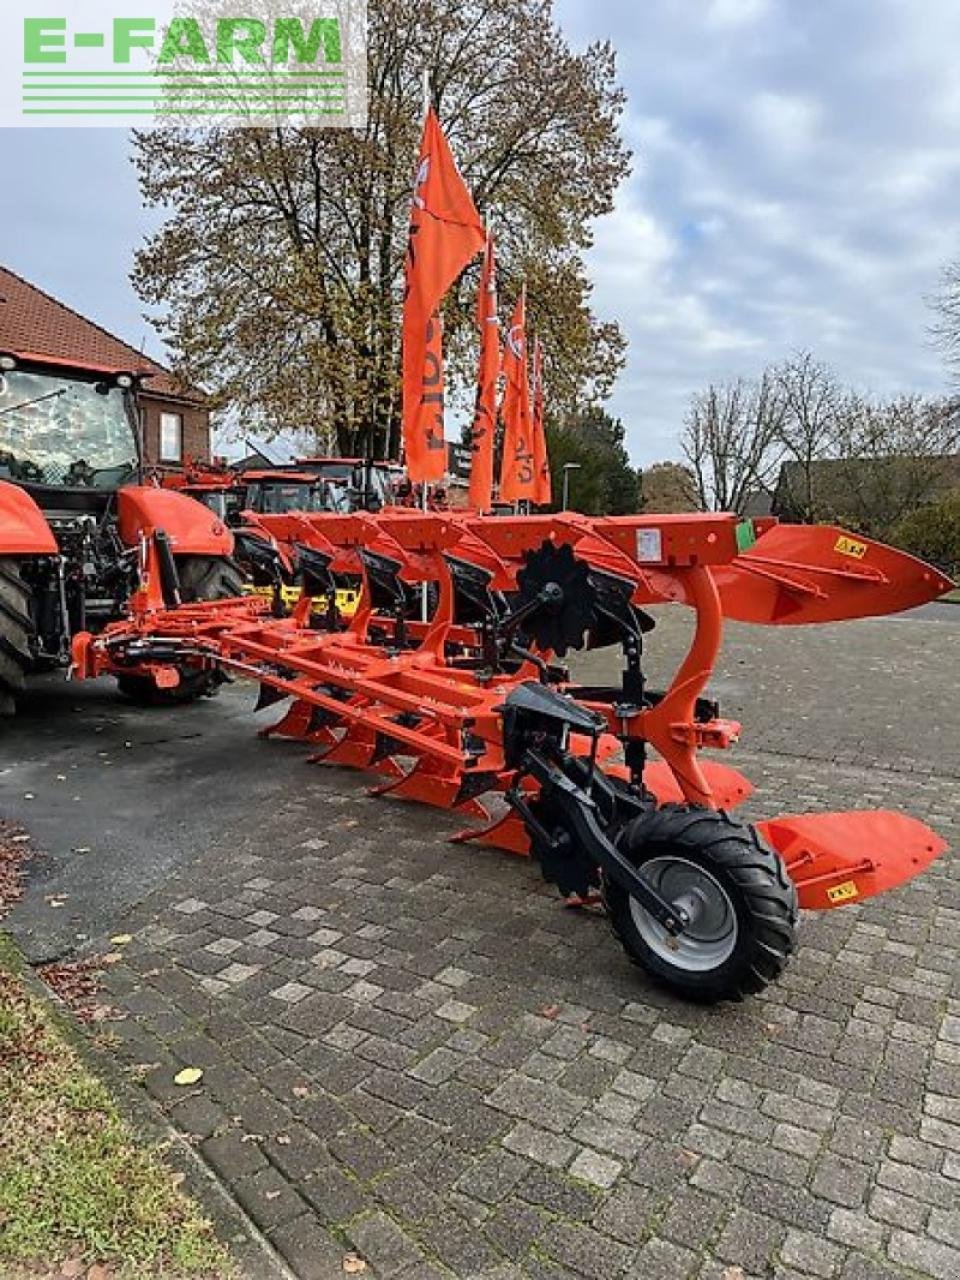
(447, 684)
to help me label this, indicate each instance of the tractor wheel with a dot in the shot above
(741, 903)
(201, 578)
(16, 630)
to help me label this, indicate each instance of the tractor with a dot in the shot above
(75, 518)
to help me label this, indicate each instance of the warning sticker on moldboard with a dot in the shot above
(649, 545)
(850, 547)
(843, 892)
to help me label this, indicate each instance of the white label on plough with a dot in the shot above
(649, 546)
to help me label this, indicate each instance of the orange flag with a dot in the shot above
(445, 233)
(541, 463)
(516, 468)
(488, 374)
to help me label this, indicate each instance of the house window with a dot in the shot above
(171, 437)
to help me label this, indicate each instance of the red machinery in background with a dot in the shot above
(448, 684)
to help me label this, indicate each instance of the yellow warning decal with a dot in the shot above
(843, 892)
(850, 547)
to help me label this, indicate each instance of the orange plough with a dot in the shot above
(448, 686)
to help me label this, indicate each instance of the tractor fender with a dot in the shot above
(23, 529)
(192, 528)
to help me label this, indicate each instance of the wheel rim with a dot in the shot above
(711, 935)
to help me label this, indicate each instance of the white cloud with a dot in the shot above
(736, 13)
(797, 184)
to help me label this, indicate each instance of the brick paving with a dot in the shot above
(414, 1052)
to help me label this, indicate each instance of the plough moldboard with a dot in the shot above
(447, 684)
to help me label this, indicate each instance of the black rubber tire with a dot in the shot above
(16, 631)
(201, 578)
(754, 879)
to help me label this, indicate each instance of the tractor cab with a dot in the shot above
(360, 484)
(276, 492)
(68, 437)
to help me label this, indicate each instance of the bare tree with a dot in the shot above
(893, 457)
(732, 441)
(946, 306)
(810, 398)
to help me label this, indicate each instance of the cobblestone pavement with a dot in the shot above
(413, 1051)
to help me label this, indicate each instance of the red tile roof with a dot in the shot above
(32, 324)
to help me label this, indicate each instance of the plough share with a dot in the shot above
(448, 684)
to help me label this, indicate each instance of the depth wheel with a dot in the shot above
(741, 904)
(201, 578)
(16, 632)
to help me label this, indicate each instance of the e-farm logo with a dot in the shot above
(250, 63)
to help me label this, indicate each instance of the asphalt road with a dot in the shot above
(142, 789)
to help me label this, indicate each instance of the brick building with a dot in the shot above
(36, 327)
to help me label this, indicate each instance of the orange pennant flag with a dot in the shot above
(445, 233)
(488, 374)
(541, 463)
(516, 467)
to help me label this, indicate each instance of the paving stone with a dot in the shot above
(929, 1257)
(539, 1145)
(595, 1168)
(231, 1157)
(663, 1260)
(750, 1240)
(692, 1218)
(292, 992)
(811, 1254)
(268, 1198)
(842, 1181)
(456, 1011)
(543, 1103)
(586, 1252)
(854, 1228)
(627, 1213)
(493, 1176)
(381, 1242)
(308, 1250)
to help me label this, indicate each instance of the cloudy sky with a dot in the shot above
(796, 184)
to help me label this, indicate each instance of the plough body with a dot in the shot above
(446, 683)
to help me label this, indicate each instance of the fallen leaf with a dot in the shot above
(97, 1272)
(121, 939)
(353, 1264)
(189, 1075)
(72, 1267)
(112, 957)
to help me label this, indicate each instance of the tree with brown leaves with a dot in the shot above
(279, 263)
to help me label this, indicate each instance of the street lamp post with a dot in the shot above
(567, 468)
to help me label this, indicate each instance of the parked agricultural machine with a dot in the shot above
(75, 517)
(448, 684)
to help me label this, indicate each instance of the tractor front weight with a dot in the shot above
(448, 684)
